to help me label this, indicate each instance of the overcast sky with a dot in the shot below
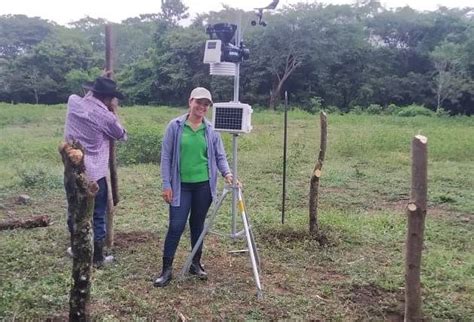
(65, 11)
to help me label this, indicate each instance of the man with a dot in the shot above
(92, 121)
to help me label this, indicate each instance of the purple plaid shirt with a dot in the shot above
(90, 122)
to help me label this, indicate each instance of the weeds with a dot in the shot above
(356, 275)
(39, 177)
(143, 146)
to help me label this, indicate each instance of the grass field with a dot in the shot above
(358, 275)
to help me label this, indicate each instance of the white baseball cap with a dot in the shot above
(201, 92)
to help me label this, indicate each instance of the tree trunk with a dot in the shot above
(438, 95)
(314, 183)
(37, 221)
(291, 64)
(274, 98)
(36, 97)
(276, 92)
(416, 212)
(80, 194)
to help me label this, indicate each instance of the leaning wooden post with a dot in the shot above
(416, 212)
(80, 194)
(112, 181)
(314, 183)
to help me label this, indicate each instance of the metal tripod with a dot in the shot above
(251, 246)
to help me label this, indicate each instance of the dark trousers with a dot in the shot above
(100, 209)
(197, 198)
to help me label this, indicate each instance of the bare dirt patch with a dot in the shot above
(126, 240)
(367, 294)
(377, 300)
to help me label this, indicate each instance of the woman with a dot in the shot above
(191, 154)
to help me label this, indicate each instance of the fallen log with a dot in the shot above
(33, 222)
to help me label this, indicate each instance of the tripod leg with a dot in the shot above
(251, 248)
(207, 226)
(252, 238)
(254, 245)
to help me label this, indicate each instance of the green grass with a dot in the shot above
(364, 190)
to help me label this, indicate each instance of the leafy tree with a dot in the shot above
(77, 77)
(19, 33)
(133, 38)
(93, 29)
(448, 77)
(138, 80)
(40, 76)
(283, 46)
(341, 55)
(173, 11)
(178, 65)
(402, 28)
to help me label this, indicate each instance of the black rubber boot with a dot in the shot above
(166, 273)
(98, 258)
(196, 267)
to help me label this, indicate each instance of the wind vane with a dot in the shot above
(259, 13)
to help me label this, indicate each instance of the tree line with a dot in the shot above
(344, 56)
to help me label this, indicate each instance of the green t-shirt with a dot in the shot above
(193, 155)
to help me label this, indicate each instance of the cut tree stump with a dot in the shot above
(33, 222)
(80, 196)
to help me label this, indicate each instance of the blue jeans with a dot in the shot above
(100, 209)
(197, 198)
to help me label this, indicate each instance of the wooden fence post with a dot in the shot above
(416, 212)
(314, 183)
(112, 179)
(80, 194)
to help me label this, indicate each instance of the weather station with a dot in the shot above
(224, 52)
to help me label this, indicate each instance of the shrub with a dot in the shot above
(331, 109)
(143, 146)
(39, 177)
(441, 112)
(316, 104)
(414, 110)
(391, 109)
(374, 109)
(357, 110)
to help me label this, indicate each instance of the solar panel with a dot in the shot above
(228, 118)
(232, 117)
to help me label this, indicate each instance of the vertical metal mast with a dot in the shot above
(234, 233)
